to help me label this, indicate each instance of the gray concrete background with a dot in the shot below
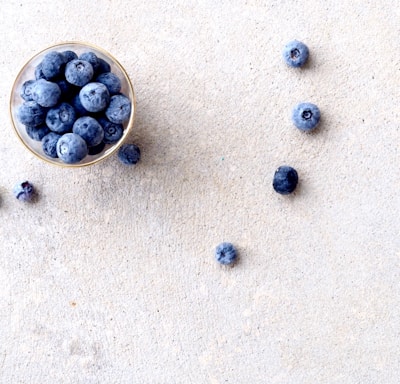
(110, 276)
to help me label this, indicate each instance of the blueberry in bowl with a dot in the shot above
(72, 104)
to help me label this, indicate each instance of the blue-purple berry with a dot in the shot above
(225, 253)
(111, 81)
(78, 72)
(89, 129)
(112, 132)
(37, 133)
(91, 58)
(53, 65)
(71, 148)
(49, 144)
(61, 118)
(31, 113)
(129, 154)
(24, 191)
(306, 116)
(119, 109)
(94, 97)
(26, 90)
(295, 53)
(46, 93)
(285, 180)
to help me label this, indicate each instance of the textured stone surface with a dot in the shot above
(110, 277)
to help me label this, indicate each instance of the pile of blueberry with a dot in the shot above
(74, 106)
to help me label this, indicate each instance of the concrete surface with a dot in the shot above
(110, 276)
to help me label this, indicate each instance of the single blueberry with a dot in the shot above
(119, 109)
(53, 65)
(92, 58)
(67, 89)
(89, 129)
(112, 132)
(285, 180)
(45, 93)
(295, 53)
(26, 90)
(129, 154)
(24, 191)
(37, 133)
(97, 149)
(49, 144)
(111, 81)
(61, 118)
(69, 56)
(103, 66)
(78, 72)
(31, 113)
(79, 109)
(225, 253)
(39, 73)
(306, 116)
(94, 97)
(71, 148)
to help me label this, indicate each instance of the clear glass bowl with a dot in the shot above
(28, 73)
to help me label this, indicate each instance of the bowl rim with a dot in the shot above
(129, 124)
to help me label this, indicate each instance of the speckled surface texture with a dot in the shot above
(110, 277)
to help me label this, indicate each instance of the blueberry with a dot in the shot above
(295, 53)
(103, 66)
(111, 81)
(306, 116)
(24, 191)
(37, 133)
(112, 132)
(39, 73)
(61, 118)
(119, 109)
(129, 154)
(79, 109)
(52, 65)
(92, 58)
(89, 129)
(31, 113)
(71, 148)
(78, 72)
(46, 93)
(26, 90)
(225, 253)
(49, 144)
(69, 56)
(94, 97)
(285, 180)
(67, 89)
(97, 149)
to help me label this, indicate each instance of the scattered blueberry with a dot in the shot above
(91, 58)
(111, 81)
(295, 53)
(112, 132)
(31, 113)
(26, 90)
(78, 72)
(285, 180)
(49, 144)
(97, 149)
(52, 65)
(71, 148)
(61, 118)
(94, 97)
(69, 56)
(89, 129)
(45, 93)
(225, 253)
(306, 116)
(37, 133)
(119, 109)
(129, 154)
(24, 191)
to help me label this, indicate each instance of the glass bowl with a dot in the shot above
(28, 73)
